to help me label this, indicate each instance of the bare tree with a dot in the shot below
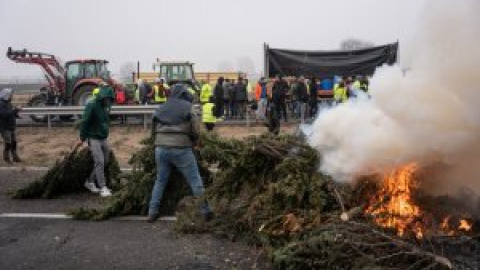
(355, 44)
(126, 71)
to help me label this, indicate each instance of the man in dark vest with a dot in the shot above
(176, 131)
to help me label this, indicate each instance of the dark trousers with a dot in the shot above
(226, 104)
(241, 108)
(209, 126)
(313, 107)
(233, 108)
(282, 110)
(219, 109)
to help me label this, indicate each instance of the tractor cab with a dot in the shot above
(174, 72)
(83, 73)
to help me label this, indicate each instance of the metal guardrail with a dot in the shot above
(145, 110)
(75, 110)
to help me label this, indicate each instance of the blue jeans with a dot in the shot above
(184, 160)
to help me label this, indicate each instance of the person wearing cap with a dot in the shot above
(94, 129)
(8, 115)
(160, 91)
(176, 132)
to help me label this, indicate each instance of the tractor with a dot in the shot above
(174, 72)
(71, 84)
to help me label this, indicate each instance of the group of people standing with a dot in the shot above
(349, 87)
(230, 98)
(146, 94)
(298, 95)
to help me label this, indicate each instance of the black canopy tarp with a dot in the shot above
(323, 64)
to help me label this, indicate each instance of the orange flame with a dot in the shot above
(393, 206)
(465, 225)
(397, 211)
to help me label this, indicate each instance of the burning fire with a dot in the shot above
(465, 225)
(393, 206)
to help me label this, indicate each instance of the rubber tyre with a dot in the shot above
(83, 94)
(39, 100)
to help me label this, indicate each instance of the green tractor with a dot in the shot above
(174, 72)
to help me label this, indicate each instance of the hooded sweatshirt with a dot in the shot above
(8, 113)
(95, 119)
(174, 123)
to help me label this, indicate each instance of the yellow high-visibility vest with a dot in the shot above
(205, 93)
(157, 98)
(356, 85)
(340, 94)
(207, 113)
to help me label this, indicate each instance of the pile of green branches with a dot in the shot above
(134, 191)
(267, 190)
(258, 179)
(68, 176)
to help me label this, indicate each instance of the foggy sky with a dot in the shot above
(205, 32)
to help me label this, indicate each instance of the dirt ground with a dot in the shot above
(40, 147)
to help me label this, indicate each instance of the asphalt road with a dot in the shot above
(32, 243)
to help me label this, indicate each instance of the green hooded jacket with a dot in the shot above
(95, 120)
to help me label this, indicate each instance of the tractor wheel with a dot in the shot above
(83, 95)
(39, 100)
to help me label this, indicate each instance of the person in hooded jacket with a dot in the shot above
(176, 132)
(94, 129)
(218, 94)
(279, 96)
(8, 115)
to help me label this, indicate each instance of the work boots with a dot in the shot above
(14, 152)
(6, 153)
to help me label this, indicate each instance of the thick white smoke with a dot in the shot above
(429, 114)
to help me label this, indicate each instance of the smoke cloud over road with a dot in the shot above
(430, 114)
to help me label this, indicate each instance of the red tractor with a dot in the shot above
(71, 84)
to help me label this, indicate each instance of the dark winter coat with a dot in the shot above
(241, 92)
(218, 92)
(229, 92)
(300, 92)
(279, 91)
(8, 115)
(96, 120)
(174, 123)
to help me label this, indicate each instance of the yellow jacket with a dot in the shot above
(205, 93)
(340, 94)
(157, 96)
(207, 113)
